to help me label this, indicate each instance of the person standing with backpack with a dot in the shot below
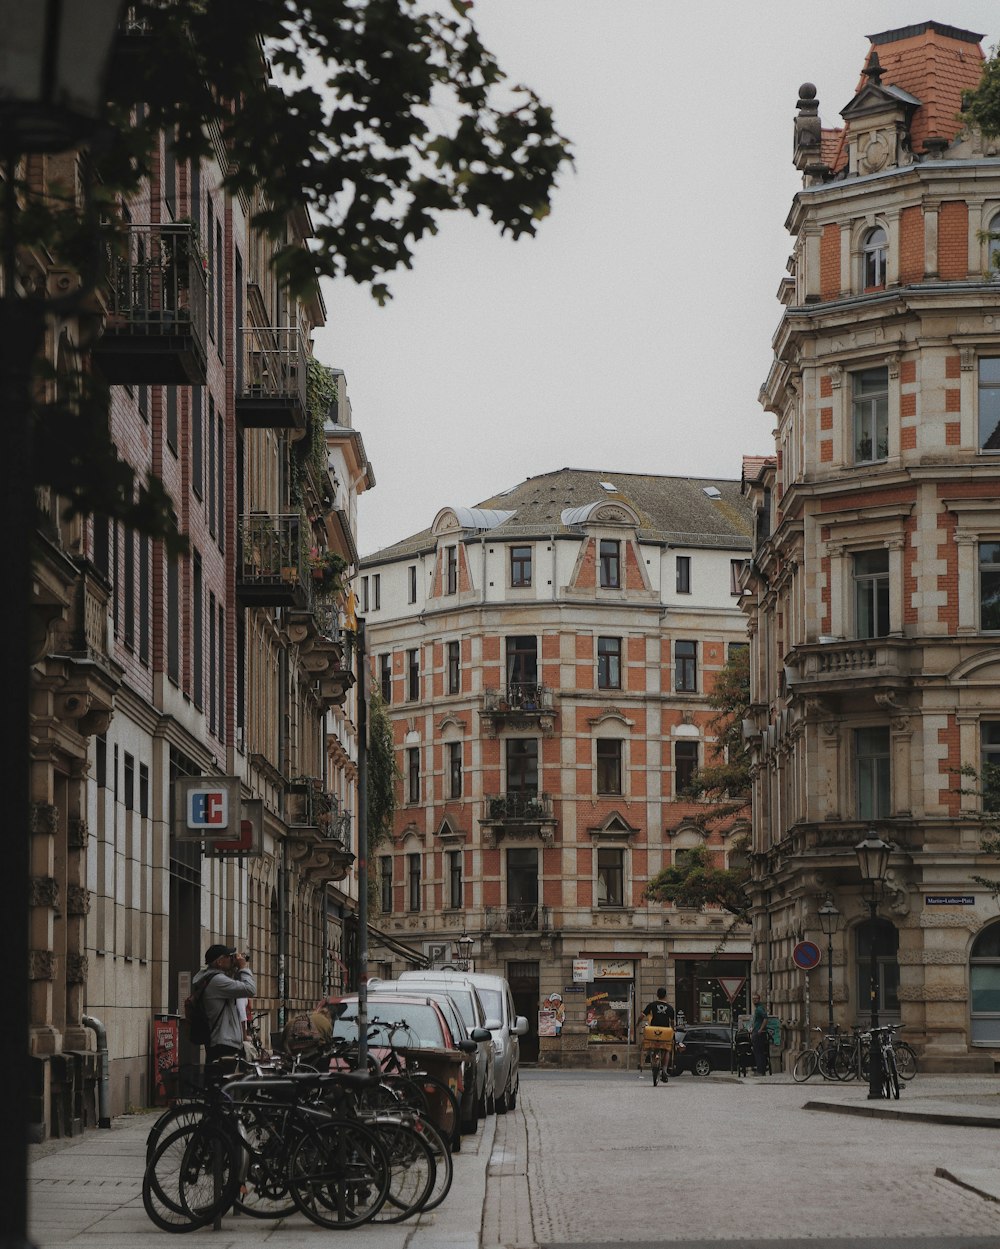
(225, 978)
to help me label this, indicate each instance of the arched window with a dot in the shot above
(887, 969)
(984, 987)
(993, 247)
(873, 254)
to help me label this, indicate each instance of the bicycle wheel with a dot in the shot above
(845, 1063)
(806, 1066)
(339, 1174)
(263, 1191)
(177, 1116)
(444, 1168)
(906, 1060)
(192, 1177)
(890, 1077)
(655, 1059)
(443, 1109)
(412, 1168)
(408, 1093)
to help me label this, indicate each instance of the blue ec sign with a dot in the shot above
(208, 808)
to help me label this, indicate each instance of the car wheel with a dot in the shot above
(512, 1099)
(501, 1103)
(701, 1067)
(469, 1118)
(491, 1105)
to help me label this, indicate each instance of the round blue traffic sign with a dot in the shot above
(806, 955)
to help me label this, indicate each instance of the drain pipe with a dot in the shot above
(103, 1115)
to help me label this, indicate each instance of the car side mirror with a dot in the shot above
(494, 1025)
(519, 1027)
(480, 1034)
(467, 1046)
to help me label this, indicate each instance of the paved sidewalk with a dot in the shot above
(86, 1193)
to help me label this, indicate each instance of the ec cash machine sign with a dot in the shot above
(208, 808)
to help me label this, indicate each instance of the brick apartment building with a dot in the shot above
(872, 611)
(546, 657)
(228, 662)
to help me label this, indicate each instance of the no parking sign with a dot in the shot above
(806, 955)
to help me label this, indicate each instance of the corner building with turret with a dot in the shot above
(874, 604)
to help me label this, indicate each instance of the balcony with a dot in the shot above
(312, 808)
(519, 918)
(841, 666)
(157, 309)
(271, 378)
(517, 814)
(520, 705)
(271, 571)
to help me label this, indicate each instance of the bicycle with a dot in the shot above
(658, 1044)
(889, 1082)
(821, 1057)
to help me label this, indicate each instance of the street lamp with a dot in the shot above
(829, 919)
(462, 951)
(52, 92)
(873, 860)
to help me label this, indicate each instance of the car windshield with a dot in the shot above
(491, 1002)
(403, 1023)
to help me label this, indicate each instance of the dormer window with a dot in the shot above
(873, 254)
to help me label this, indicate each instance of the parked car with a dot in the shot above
(505, 1026)
(706, 1048)
(427, 1027)
(463, 999)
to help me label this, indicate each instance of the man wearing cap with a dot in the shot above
(228, 978)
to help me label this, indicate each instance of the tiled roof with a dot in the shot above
(670, 509)
(935, 63)
(753, 465)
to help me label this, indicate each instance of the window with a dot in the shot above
(413, 774)
(610, 877)
(686, 666)
(520, 565)
(145, 601)
(871, 594)
(454, 668)
(609, 765)
(451, 570)
(211, 465)
(455, 769)
(411, 584)
(683, 568)
(870, 403)
(376, 591)
(456, 899)
(385, 677)
(871, 751)
(609, 663)
(364, 594)
(144, 791)
(685, 765)
(197, 444)
(737, 570)
(173, 621)
(989, 403)
(413, 880)
(413, 675)
(989, 586)
(522, 765)
(385, 879)
(993, 247)
(610, 564)
(522, 666)
(128, 588)
(989, 738)
(170, 419)
(873, 253)
(129, 787)
(984, 987)
(198, 629)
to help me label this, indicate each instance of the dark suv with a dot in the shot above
(707, 1047)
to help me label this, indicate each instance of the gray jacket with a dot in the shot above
(221, 995)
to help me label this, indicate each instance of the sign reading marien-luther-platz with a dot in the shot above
(950, 899)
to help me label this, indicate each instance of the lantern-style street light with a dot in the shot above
(873, 860)
(462, 951)
(829, 919)
(53, 68)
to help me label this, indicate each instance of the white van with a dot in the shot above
(505, 1026)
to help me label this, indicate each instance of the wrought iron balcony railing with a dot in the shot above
(517, 808)
(518, 697)
(271, 566)
(312, 807)
(517, 918)
(271, 377)
(157, 308)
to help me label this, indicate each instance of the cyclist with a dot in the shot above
(659, 1030)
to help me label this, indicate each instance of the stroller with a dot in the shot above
(744, 1051)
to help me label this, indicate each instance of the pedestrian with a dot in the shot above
(227, 978)
(758, 1036)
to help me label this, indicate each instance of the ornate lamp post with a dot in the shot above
(462, 951)
(873, 860)
(829, 918)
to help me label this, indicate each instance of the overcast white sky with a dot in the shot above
(632, 334)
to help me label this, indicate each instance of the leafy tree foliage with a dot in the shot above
(982, 107)
(376, 116)
(725, 785)
(383, 775)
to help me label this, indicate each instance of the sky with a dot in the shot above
(633, 332)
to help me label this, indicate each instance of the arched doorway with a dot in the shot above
(887, 969)
(984, 987)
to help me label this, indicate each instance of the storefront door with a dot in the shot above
(523, 981)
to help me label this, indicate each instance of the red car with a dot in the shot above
(409, 1023)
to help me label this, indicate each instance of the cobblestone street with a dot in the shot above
(594, 1158)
